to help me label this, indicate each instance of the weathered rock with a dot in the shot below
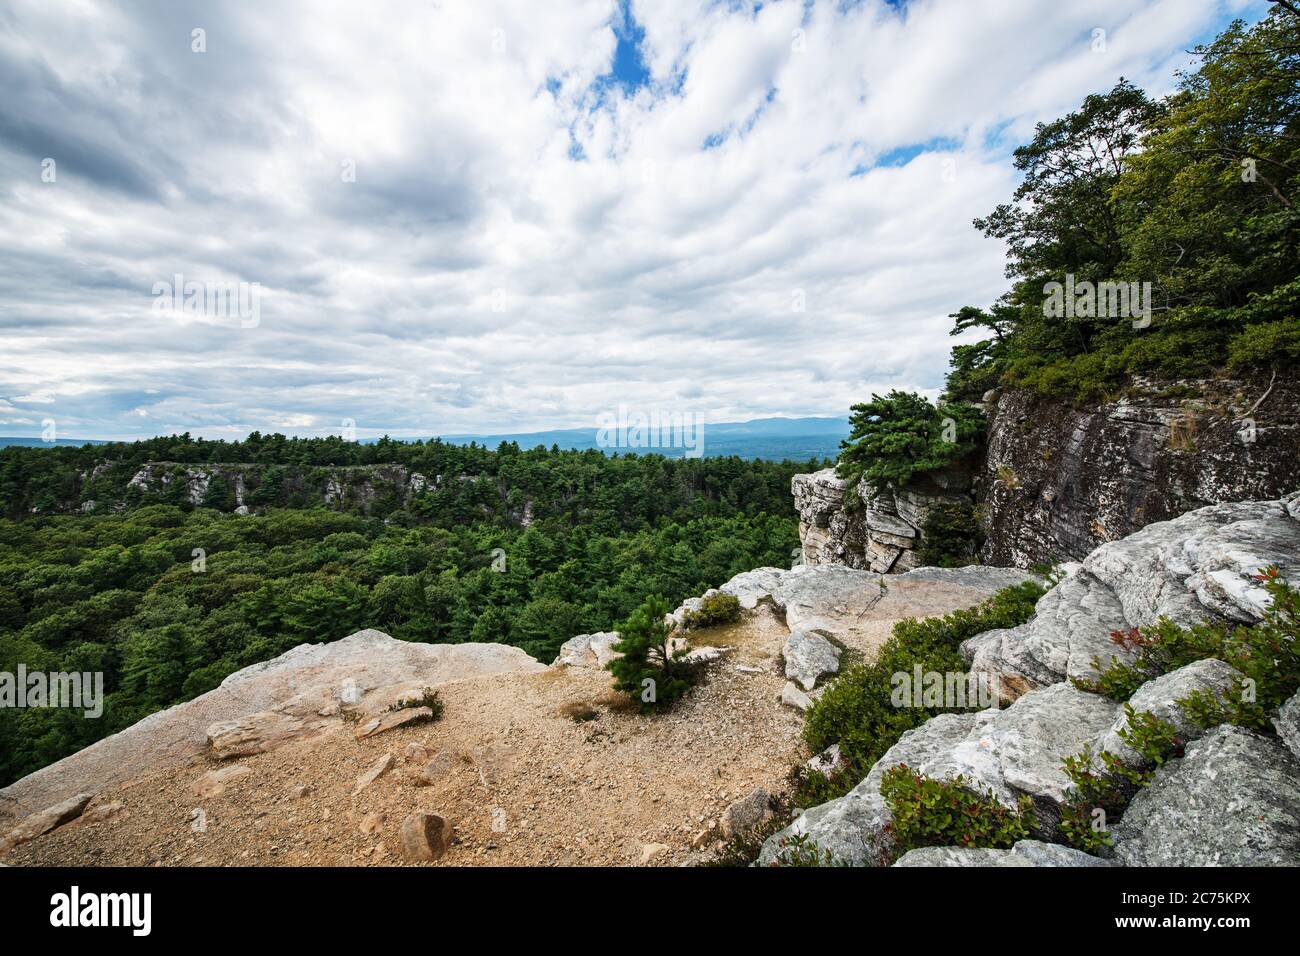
(652, 851)
(424, 836)
(1018, 751)
(48, 819)
(1195, 567)
(377, 770)
(1060, 480)
(1161, 696)
(372, 823)
(854, 829)
(1002, 754)
(1231, 800)
(752, 588)
(214, 783)
(416, 753)
(299, 791)
(792, 696)
(588, 650)
(1024, 853)
(103, 813)
(1287, 724)
(436, 769)
(881, 535)
(808, 657)
(745, 814)
(260, 732)
(392, 720)
(299, 684)
(827, 762)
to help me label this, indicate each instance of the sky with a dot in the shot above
(475, 216)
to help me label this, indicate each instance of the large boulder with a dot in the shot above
(1232, 800)
(1197, 567)
(309, 686)
(588, 650)
(1161, 697)
(808, 657)
(1070, 629)
(854, 828)
(1005, 754)
(1019, 751)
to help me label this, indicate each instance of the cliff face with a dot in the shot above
(1058, 481)
(883, 534)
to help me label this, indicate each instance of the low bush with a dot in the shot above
(714, 610)
(929, 812)
(857, 711)
(1266, 653)
(427, 698)
(1103, 785)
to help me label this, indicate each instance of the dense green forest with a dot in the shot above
(166, 597)
(1194, 193)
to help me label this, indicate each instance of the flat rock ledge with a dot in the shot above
(1023, 853)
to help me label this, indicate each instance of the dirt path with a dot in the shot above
(524, 784)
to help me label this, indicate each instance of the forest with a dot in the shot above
(1193, 193)
(166, 596)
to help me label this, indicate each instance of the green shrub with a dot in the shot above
(1268, 344)
(857, 712)
(929, 812)
(1266, 653)
(650, 672)
(427, 698)
(714, 610)
(1104, 782)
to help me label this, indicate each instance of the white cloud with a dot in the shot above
(525, 244)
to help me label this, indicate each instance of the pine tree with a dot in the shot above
(649, 670)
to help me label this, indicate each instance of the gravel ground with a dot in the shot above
(521, 782)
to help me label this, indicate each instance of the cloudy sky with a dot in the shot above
(473, 216)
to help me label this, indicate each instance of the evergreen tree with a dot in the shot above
(650, 671)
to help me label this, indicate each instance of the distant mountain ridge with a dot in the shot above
(775, 439)
(771, 438)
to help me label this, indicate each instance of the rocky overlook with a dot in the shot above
(331, 754)
(884, 532)
(1198, 567)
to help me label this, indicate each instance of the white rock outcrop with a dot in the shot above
(305, 689)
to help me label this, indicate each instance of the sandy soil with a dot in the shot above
(524, 784)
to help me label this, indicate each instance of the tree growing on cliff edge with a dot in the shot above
(902, 436)
(1195, 194)
(650, 671)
